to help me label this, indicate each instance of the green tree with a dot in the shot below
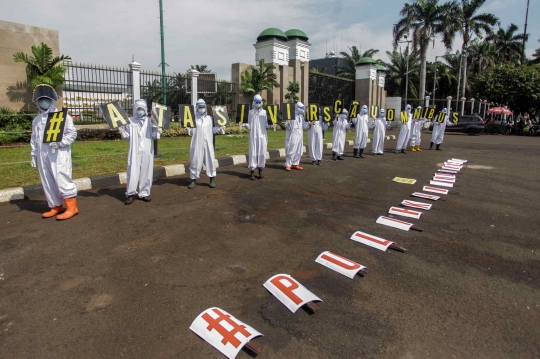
(536, 56)
(397, 73)
(509, 44)
(222, 96)
(258, 78)
(483, 54)
(349, 69)
(315, 70)
(426, 19)
(42, 67)
(292, 90)
(203, 69)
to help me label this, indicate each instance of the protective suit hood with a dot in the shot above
(408, 108)
(257, 100)
(140, 104)
(364, 110)
(382, 114)
(200, 103)
(445, 110)
(345, 112)
(45, 91)
(299, 108)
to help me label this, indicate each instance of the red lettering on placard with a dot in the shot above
(288, 291)
(228, 336)
(350, 265)
(382, 243)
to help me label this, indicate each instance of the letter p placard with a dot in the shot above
(289, 292)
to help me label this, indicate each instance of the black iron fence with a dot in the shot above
(177, 86)
(325, 89)
(469, 109)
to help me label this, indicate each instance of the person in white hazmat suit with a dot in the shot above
(294, 138)
(316, 140)
(379, 131)
(141, 135)
(258, 137)
(202, 146)
(416, 133)
(361, 125)
(438, 131)
(53, 160)
(341, 125)
(404, 132)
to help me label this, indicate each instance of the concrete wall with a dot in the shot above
(14, 38)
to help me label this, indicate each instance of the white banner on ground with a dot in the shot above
(459, 160)
(289, 292)
(442, 184)
(454, 167)
(391, 222)
(418, 205)
(404, 212)
(444, 170)
(339, 264)
(444, 179)
(223, 331)
(426, 196)
(372, 241)
(445, 175)
(435, 190)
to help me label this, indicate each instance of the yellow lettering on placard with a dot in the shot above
(374, 111)
(115, 116)
(354, 111)
(455, 117)
(440, 117)
(54, 127)
(338, 106)
(327, 115)
(390, 114)
(242, 112)
(429, 113)
(222, 120)
(160, 109)
(404, 116)
(188, 118)
(289, 107)
(417, 113)
(272, 114)
(313, 109)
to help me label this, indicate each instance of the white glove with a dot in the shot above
(274, 126)
(222, 130)
(288, 124)
(240, 125)
(56, 145)
(160, 130)
(248, 126)
(121, 130)
(33, 162)
(188, 131)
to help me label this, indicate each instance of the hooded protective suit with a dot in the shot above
(294, 138)
(202, 145)
(361, 125)
(380, 124)
(316, 140)
(258, 136)
(438, 129)
(405, 131)
(416, 133)
(53, 160)
(140, 133)
(341, 125)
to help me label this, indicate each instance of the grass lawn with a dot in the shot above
(99, 158)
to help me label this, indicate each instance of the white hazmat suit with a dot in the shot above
(341, 125)
(53, 160)
(316, 140)
(361, 125)
(380, 124)
(438, 131)
(416, 134)
(294, 138)
(405, 131)
(141, 135)
(258, 137)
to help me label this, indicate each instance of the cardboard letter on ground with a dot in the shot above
(426, 196)
(372, 241)
(404, 212)
(339, 264)
(418, 205)
(288, 291)
(404, 180)
(442, 184)
(391, 222)
(435, 190)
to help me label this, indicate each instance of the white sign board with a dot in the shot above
(459, 160)
(289, 292)
(443, 170)
(391, 222)
(372, 241)
(404, 212)
(445, 175)
(223, 331)
(426, 196)
(442, 184)
(339, 264)
(435, 190)
(418, 205)
(452, 167)
(444, 179)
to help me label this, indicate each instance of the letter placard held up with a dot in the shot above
(114, 114)
(161, 115)
(242, 111)
(390, 114)
(221, 117)
(312, 113)
(54, 128)
(374, 111)
(187, 115)
(326, 113)
(338, 107)
(272, 112)
(288, 111)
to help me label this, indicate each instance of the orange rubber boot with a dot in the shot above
(296, 167)
(71, 209)
(53, 212)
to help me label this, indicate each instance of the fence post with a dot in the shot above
(135, 68)
(194, 90)
(463, 105)
(472, 105)
(427, 101)
(449, 105)
(480, 107)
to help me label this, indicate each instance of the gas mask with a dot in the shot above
(141, 112)
(44, 103)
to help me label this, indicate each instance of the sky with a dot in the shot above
(218, 33)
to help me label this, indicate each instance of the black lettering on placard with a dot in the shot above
(455, 117)
(440, 117)
(390, 114)
(161, 115)
(374, 111)
(272, 114)
(354, 110)
(242, 111)
(404, 116)
(429, 113)
(417, 114)
(54, 128)
(338, 107)
(187, 115)
(114, 114)
(288, 111)
(313, 114)
(327, 113)
(221, 117)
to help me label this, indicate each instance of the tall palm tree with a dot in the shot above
(203, 69)
(483, 54)
(258, 78)
(536, 56)
(509, 44)
(349, 69)
(369, 53)
(426, 19)
(42, 67)
(397, 72)
(469, 23)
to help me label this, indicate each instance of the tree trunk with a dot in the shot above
(422, 90)
(464, 76)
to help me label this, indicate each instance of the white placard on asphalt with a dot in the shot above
(445, 175)
(417, 205)
(426, 196)
(391, 222)
(223, 331)
(404, 212)
(459, 160)
(444, 179)
(443, 170)
(372, 241)
(339, 264)
(452, 167)
(288, 291)
(442, 184)
(435, 190)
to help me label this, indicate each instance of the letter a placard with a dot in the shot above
(340, 264)
(54, 128)
(289, 292)
(223, 331)
(221, 117)
(161, 115)
(186, 114)
(114, 114)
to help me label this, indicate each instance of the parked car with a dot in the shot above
(469, 124)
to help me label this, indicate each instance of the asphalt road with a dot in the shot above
(126, 282)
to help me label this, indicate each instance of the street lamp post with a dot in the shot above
(435, 80)
(407, 74)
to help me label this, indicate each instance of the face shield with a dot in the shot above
(257, 101)
(141, 108)
(201, 106)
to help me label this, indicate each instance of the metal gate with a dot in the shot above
(325, 89)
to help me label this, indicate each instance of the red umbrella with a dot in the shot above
(500, 111)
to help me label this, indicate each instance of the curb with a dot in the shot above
(86, 183)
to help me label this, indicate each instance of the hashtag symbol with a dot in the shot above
(54, 127)
(228, 336)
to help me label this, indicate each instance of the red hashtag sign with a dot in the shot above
(228, 336)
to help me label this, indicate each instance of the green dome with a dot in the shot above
(380, 67)
(272, 33)
(296, 34)
(366, 61)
